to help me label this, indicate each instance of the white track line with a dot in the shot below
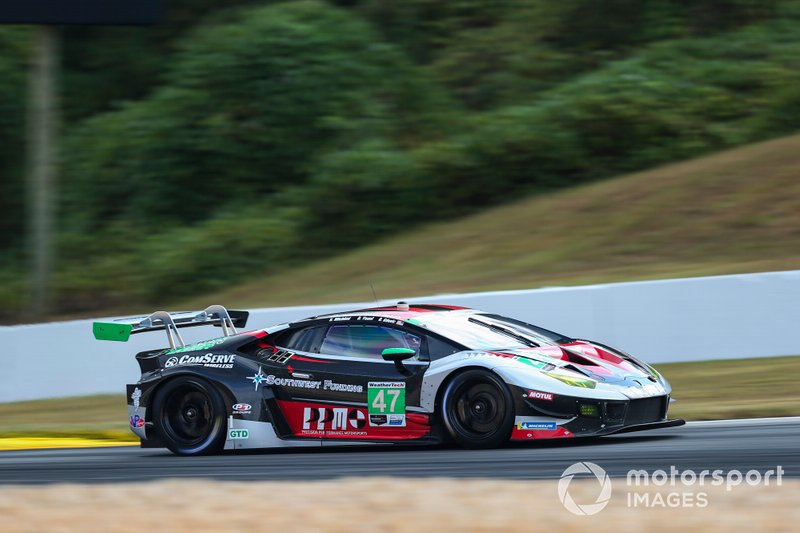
(748, 421)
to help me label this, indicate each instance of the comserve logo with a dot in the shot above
(602, 498)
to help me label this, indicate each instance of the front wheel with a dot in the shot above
(189, 416)
(477, 409)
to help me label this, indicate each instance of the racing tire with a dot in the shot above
(477, 409)
(189, 416)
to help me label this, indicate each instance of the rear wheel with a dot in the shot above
(477, 409)
(190, 416)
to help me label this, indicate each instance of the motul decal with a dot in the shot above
(537, 395)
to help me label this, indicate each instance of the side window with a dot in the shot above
(366, 341)
(302, 340)
(438, 348)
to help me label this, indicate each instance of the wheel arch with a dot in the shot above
(452, 375)
(450, 429)
(228, 397)
(445, 369)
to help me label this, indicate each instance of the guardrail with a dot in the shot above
(692, 319)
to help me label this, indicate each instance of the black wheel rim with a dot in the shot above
(188, 415)
(477, 409)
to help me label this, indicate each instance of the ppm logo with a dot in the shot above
(336, 418)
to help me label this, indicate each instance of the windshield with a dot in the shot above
(480, 335)
(537, 334)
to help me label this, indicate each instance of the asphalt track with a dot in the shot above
(759, 444)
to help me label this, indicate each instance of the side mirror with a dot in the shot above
(398, 355)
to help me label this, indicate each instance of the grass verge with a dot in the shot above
(707, 390)
(65, 422)
(745, 388)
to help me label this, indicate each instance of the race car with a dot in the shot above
(399, 374)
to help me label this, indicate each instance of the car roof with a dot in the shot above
(401, 311)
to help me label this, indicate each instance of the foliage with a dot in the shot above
(245, 137)
(233, 122)
(13, 63)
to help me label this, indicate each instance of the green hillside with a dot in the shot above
(245, 139)
(736, 211)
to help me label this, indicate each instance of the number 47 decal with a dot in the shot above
(379, 403)
(386, 397)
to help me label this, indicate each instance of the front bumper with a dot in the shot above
(572, 416)
(652, 425)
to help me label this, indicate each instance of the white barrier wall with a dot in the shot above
(719, 317)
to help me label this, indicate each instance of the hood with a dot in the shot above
(579, 359)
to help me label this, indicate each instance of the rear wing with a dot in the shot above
(215, 315)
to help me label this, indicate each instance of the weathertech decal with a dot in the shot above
(386, 403)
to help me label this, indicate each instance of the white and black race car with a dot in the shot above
(399, 374)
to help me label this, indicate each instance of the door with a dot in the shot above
(351, 392)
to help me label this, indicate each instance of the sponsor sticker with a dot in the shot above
(378, 420)
(238, 434)
(209, 360)
(136, 397)
(297, 383)
(546, 426)
(137, 421)
(242, 408)
(333, 421)
(536, 395)
(387, 398)
(257, 379)
(268, 379)
(342, 387)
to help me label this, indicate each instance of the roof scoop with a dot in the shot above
(402, 306)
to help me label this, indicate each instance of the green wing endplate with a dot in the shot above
(110, 331)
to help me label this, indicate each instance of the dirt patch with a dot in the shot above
(384, 504)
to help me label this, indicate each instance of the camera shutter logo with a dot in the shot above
(602, 498)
